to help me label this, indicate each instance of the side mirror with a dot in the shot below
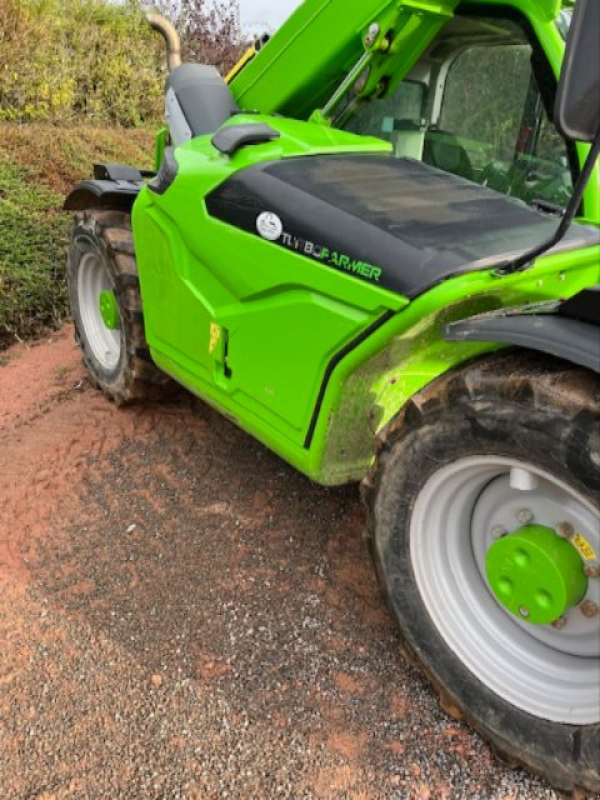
(577, 112)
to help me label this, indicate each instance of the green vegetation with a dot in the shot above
(38, 164)
(66, 59)
(31, 245)
(81, 81)
(63, 61)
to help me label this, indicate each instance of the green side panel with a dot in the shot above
(376, 380)
(242, 322)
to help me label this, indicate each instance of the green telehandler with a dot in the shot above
(376, 248)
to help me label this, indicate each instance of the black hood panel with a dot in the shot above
(396, 223)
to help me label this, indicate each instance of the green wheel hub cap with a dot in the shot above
(110, 310)
(535, 574)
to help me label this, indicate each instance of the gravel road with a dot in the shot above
(184, 616)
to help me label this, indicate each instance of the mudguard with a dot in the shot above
(114, 187)
(559, 333)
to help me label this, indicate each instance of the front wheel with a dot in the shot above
(485, 529)
(106, 304)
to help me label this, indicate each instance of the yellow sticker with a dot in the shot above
(586, 551)
(215, 337)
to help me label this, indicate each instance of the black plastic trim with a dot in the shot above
(230, 139)
(337, 358)
(204, 98)
(570, 339)
(166, 174)
(114, 195)
(585, 26)
(365, 225)
(116, 172)
(584, 306)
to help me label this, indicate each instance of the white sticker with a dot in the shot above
(269, 226)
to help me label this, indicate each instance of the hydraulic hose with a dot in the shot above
(171, 37)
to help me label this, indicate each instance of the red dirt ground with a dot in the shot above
(184, 616)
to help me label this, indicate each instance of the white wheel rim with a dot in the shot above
(93, 279)
(552, 674)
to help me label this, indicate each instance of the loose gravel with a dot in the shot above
(184, 616)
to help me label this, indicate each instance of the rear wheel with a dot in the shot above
(485, 530)
(106, 304)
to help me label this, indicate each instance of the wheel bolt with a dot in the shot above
(565, 530)
(560, 623)
(592, 570)
(498, 531)
(589, 609)
(524, 516)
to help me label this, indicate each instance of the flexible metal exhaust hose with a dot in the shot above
(171, 37)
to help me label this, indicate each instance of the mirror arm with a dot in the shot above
(526, 260)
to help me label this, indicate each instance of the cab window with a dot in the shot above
(473, 106)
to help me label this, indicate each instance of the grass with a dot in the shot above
(61, 374)
(32, 244)
(38, 166)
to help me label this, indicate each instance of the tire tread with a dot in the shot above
(139, 379)
(544, 383)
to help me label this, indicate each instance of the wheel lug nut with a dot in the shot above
(589, 609)
(560, 623)
(524, 612)
(565, 530)
(592, 570)
(524, 516)
(498, 531)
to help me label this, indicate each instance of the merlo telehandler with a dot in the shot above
(376, 248)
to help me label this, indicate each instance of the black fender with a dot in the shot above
(545, 328)
(114, 187)
(584, 306)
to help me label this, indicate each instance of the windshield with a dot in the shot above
(479, 105)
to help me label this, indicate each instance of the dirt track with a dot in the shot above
(184, 616)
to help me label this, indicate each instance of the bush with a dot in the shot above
(89, 67)
(33, 241)
(62, 60)
(38, 165)
(210, 31)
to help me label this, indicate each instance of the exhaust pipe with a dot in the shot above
(171, 37)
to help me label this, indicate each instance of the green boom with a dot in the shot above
(335, 33)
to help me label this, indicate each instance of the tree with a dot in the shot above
(210, 31)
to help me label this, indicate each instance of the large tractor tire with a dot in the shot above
(106, 304)
(484, 524)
